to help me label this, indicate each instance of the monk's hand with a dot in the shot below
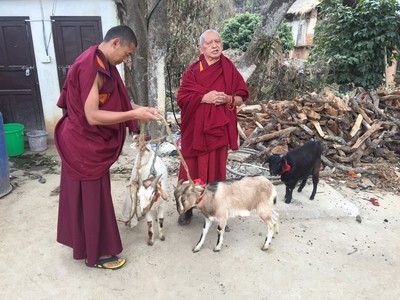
(216, 98)
(145, 113)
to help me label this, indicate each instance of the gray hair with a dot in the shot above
(203, 36)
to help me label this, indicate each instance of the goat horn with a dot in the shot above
(154, 182)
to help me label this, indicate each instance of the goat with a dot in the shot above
(151, 206)
(141, 192)
(221, 200)
(298, 164)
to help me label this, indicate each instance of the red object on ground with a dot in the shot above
(374, 201)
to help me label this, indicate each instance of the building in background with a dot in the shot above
(39, 40)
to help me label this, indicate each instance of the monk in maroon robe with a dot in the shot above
(89, 139)
(211, 89)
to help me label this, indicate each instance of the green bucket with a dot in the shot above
(14, 134)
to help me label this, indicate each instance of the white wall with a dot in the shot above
(47, 72)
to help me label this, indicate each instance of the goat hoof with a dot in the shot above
(195, 250)
(287, 201)
(311, 198)
(162, 238)
(216, 250)
(150, 243)
(264, 249)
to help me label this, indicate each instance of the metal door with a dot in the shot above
(20, 100)
(73, 35)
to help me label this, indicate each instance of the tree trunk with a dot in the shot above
(157, 57)
(146, 74)
(257, 53)
(157, 52)
(133, 14)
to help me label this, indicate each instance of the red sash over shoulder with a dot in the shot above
(206, 127)
(88, 151)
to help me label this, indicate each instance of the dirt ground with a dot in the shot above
(338, 246)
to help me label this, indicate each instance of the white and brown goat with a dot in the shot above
(221, 200)
(151, 202)
(146, 194)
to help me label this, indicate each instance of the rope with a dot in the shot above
(141, 146)
(177, 148)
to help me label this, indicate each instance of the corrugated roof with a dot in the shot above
(301, 7)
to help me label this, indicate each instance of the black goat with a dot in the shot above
(297, 165)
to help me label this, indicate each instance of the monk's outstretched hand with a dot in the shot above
(145, 113)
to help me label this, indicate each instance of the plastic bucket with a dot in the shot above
(5, 186)
(14, 133)
(37, 140)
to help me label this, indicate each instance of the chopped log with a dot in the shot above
(374, 128)
(258, 118)
(241, 133)
(318, 127)
(314, 98)
(395, 92)
(311, 114)
(347, 168)
(375, 98)
(390, 97)
(270, 136)
(302, 126)
(355, 157)
(344, 148)
(258, 124)
(340, 105)
(357, 125)
(251, 108)
(365, 116)
(266, 129)
(337, 139)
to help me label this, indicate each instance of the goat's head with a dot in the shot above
(186, 195)
(149, 192)
(276, 164)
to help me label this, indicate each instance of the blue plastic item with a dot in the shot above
(5, 186)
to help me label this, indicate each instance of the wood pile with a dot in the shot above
(360, 132)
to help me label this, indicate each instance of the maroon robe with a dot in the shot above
(208, 130)
(86, 218)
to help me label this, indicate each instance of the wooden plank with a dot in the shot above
(356, 126)
(318, 127)
(374, 128)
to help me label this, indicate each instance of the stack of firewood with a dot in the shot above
(359, 132)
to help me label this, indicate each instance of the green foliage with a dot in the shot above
(238, 31)
(285, 36)
(358, 42)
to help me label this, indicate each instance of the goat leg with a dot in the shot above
(160, 219)
(302, 184)
(161, 228)
(221, 230)
(275, 218)
(206, 227)
(288, 194)
(315, 180)
(150, 241)
(272, 228)
(315, 177)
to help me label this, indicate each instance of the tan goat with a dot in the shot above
(221, 200)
